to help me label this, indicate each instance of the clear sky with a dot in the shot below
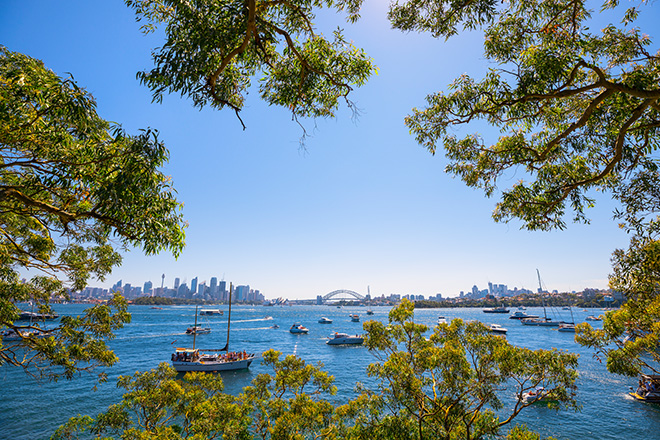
(362, 205)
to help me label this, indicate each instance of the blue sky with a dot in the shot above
(362, 205)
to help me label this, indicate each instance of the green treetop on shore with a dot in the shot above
(74, 191)
(446, 386)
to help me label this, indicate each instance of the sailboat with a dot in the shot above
(211, 360)
(545, 321)
(568, 327)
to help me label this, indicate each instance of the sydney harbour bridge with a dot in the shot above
(342, 294)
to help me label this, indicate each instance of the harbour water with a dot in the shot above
(31, 409)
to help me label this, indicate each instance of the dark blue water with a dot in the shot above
(33, 410)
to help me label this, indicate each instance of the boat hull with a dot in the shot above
(211, 366)
(345, 341)
(654, 399)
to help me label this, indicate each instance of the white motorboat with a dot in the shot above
(537, 395)
(198, 330)
(442, 320)
(541, 322)
(566, 327)
(298, 328)
(500, 309)
(211, 360)
(522, 315)
(497, 329)
(19, 335)
(355, 317)
(325, 320)
(344, 339)
(210, 312)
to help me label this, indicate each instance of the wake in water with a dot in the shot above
(267, 318)
(127, 338)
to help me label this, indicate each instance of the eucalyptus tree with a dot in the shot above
(455, 383)
(214, 49)
(75, 190)
(576, 101)
(448, 386)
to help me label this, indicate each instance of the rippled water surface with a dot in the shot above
(33, 410)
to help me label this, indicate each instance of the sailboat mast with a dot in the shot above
(195, 328)
(231, 289)
(541, 292)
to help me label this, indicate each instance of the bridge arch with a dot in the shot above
(342, 292)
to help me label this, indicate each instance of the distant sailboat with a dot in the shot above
(545, 321)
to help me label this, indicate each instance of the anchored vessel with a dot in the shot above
(211, 360)
(344, 339)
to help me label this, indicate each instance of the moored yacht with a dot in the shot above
(500, 309)
(497, 329)
(211, 360)
(325, 320)
(521, 315)
(344, 339)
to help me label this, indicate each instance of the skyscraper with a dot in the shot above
(147, 287)
(193, 286)
(176, 283)
(213, 287)
(222, 290)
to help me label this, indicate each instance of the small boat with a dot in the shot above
(198, 330)
(593, 318)
(522, 315)
(537, 395)
(274, 326)
(648, 389)
(566, 327)
(497, 329)
(211, 360)
(32, 316)
(298, 328)
(210, 312)
(325, 320)
(541, 322)
(18, 335)
(355, 318)
(344, 339)
(442, 320)
(500, 309)
(370, 312)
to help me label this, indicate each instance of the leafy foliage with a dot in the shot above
(630, 337)
(577, 109)
(447, 387)
(214, 48)
(73, 188)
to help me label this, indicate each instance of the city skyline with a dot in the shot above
(361, 204)
(214, 286)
